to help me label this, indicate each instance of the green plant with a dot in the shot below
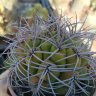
(53, 60)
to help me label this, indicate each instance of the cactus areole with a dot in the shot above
(52, 59)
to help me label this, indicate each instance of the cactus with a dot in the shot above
(52, 62)
(32, 13)
(37, 9)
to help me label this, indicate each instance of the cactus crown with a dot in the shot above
(50, 58)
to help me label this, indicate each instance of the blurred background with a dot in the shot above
(10, 10)
(81, 8)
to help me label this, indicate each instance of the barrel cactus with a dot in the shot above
(51, 59)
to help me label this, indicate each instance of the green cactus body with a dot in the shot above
(58, 55)
(71, 60)
(45, 47)
(29, 44)
(34, 59)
